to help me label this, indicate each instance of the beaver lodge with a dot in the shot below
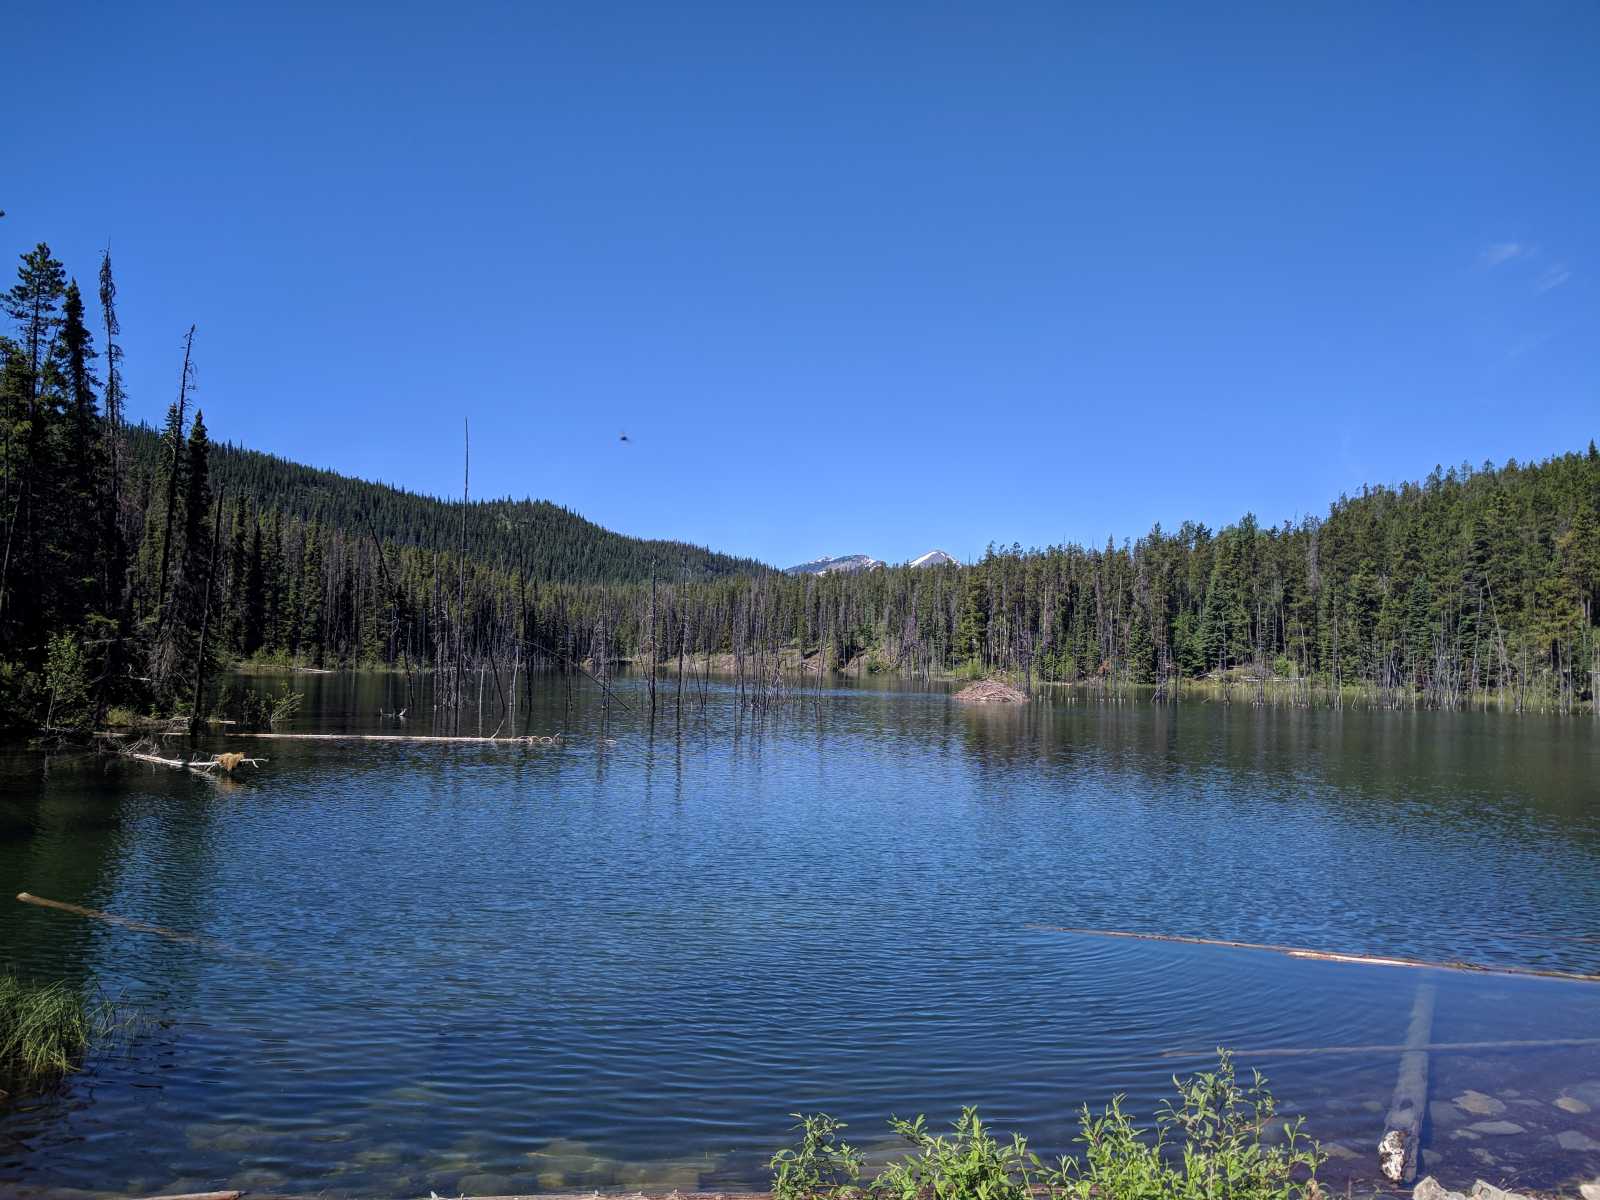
(991, 691)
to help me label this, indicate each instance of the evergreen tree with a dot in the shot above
(28, 412)
(77, 503)
(177, 645)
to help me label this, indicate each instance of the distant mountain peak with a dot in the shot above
(851, 563)
(825, 565)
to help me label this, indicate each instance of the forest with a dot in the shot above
(138, 563)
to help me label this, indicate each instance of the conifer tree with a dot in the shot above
(33, 303)
(76, 508)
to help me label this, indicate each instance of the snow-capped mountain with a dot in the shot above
(827, 566)
(862, 562)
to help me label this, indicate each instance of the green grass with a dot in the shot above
(1221, 1140)
(45, 1027)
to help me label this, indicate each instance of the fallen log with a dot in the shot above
(111, 919)
(1387, 1048)
(1401, 1145)
(211, 945)
(224, 762)
(1369, 960)
(525, 740)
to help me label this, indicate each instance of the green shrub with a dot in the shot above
(821, 1165)
(120, 716)
(1210, 1145)
(969, 1165)
(66, 682)
(251, 710)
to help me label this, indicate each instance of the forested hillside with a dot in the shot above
(542, 539)
(135, 563)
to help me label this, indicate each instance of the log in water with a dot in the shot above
(1369, 960)
(1403, 1125)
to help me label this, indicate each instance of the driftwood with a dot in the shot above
(111, 919)
(1388, 1048)
(1325, 955)
(200, 1196)
(224, 762)
(1402, 1139)
(551, 740)
(211, 945)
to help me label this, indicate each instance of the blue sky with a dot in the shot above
(852, 277)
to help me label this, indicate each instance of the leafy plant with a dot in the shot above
(66, 680)
(1217, 1142)
(822, 1164)
(970, 1165)
(252, 711)
(1210, 1146)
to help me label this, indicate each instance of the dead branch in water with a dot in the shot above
(521, 740)
(224, 762)
(1323, 955)
(1388, 1048)
(171, 935)
(1403, 1125)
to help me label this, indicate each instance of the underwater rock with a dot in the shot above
(1571, 1139)
(1571, 1104)
(1429, 1188)
(1498, 1128)
(1488, 1191)
(1479, 1104)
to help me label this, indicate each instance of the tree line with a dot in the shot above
(137, 561)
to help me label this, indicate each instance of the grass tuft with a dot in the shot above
(45, 1027)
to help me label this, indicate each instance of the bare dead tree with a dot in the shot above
(185, 379)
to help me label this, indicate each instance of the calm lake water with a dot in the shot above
(624, 961)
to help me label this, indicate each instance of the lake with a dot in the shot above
(625, 959)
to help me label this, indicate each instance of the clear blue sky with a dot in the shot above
(853, 277)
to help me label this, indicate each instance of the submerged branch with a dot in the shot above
(1324, 955)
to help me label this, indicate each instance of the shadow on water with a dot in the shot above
(621, 960)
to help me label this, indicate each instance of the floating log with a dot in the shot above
(210, 945)
(1388, 1048)
(529, 740)
(1325, 955)
(1402, 1140)
(111, 919)
(224, 762)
